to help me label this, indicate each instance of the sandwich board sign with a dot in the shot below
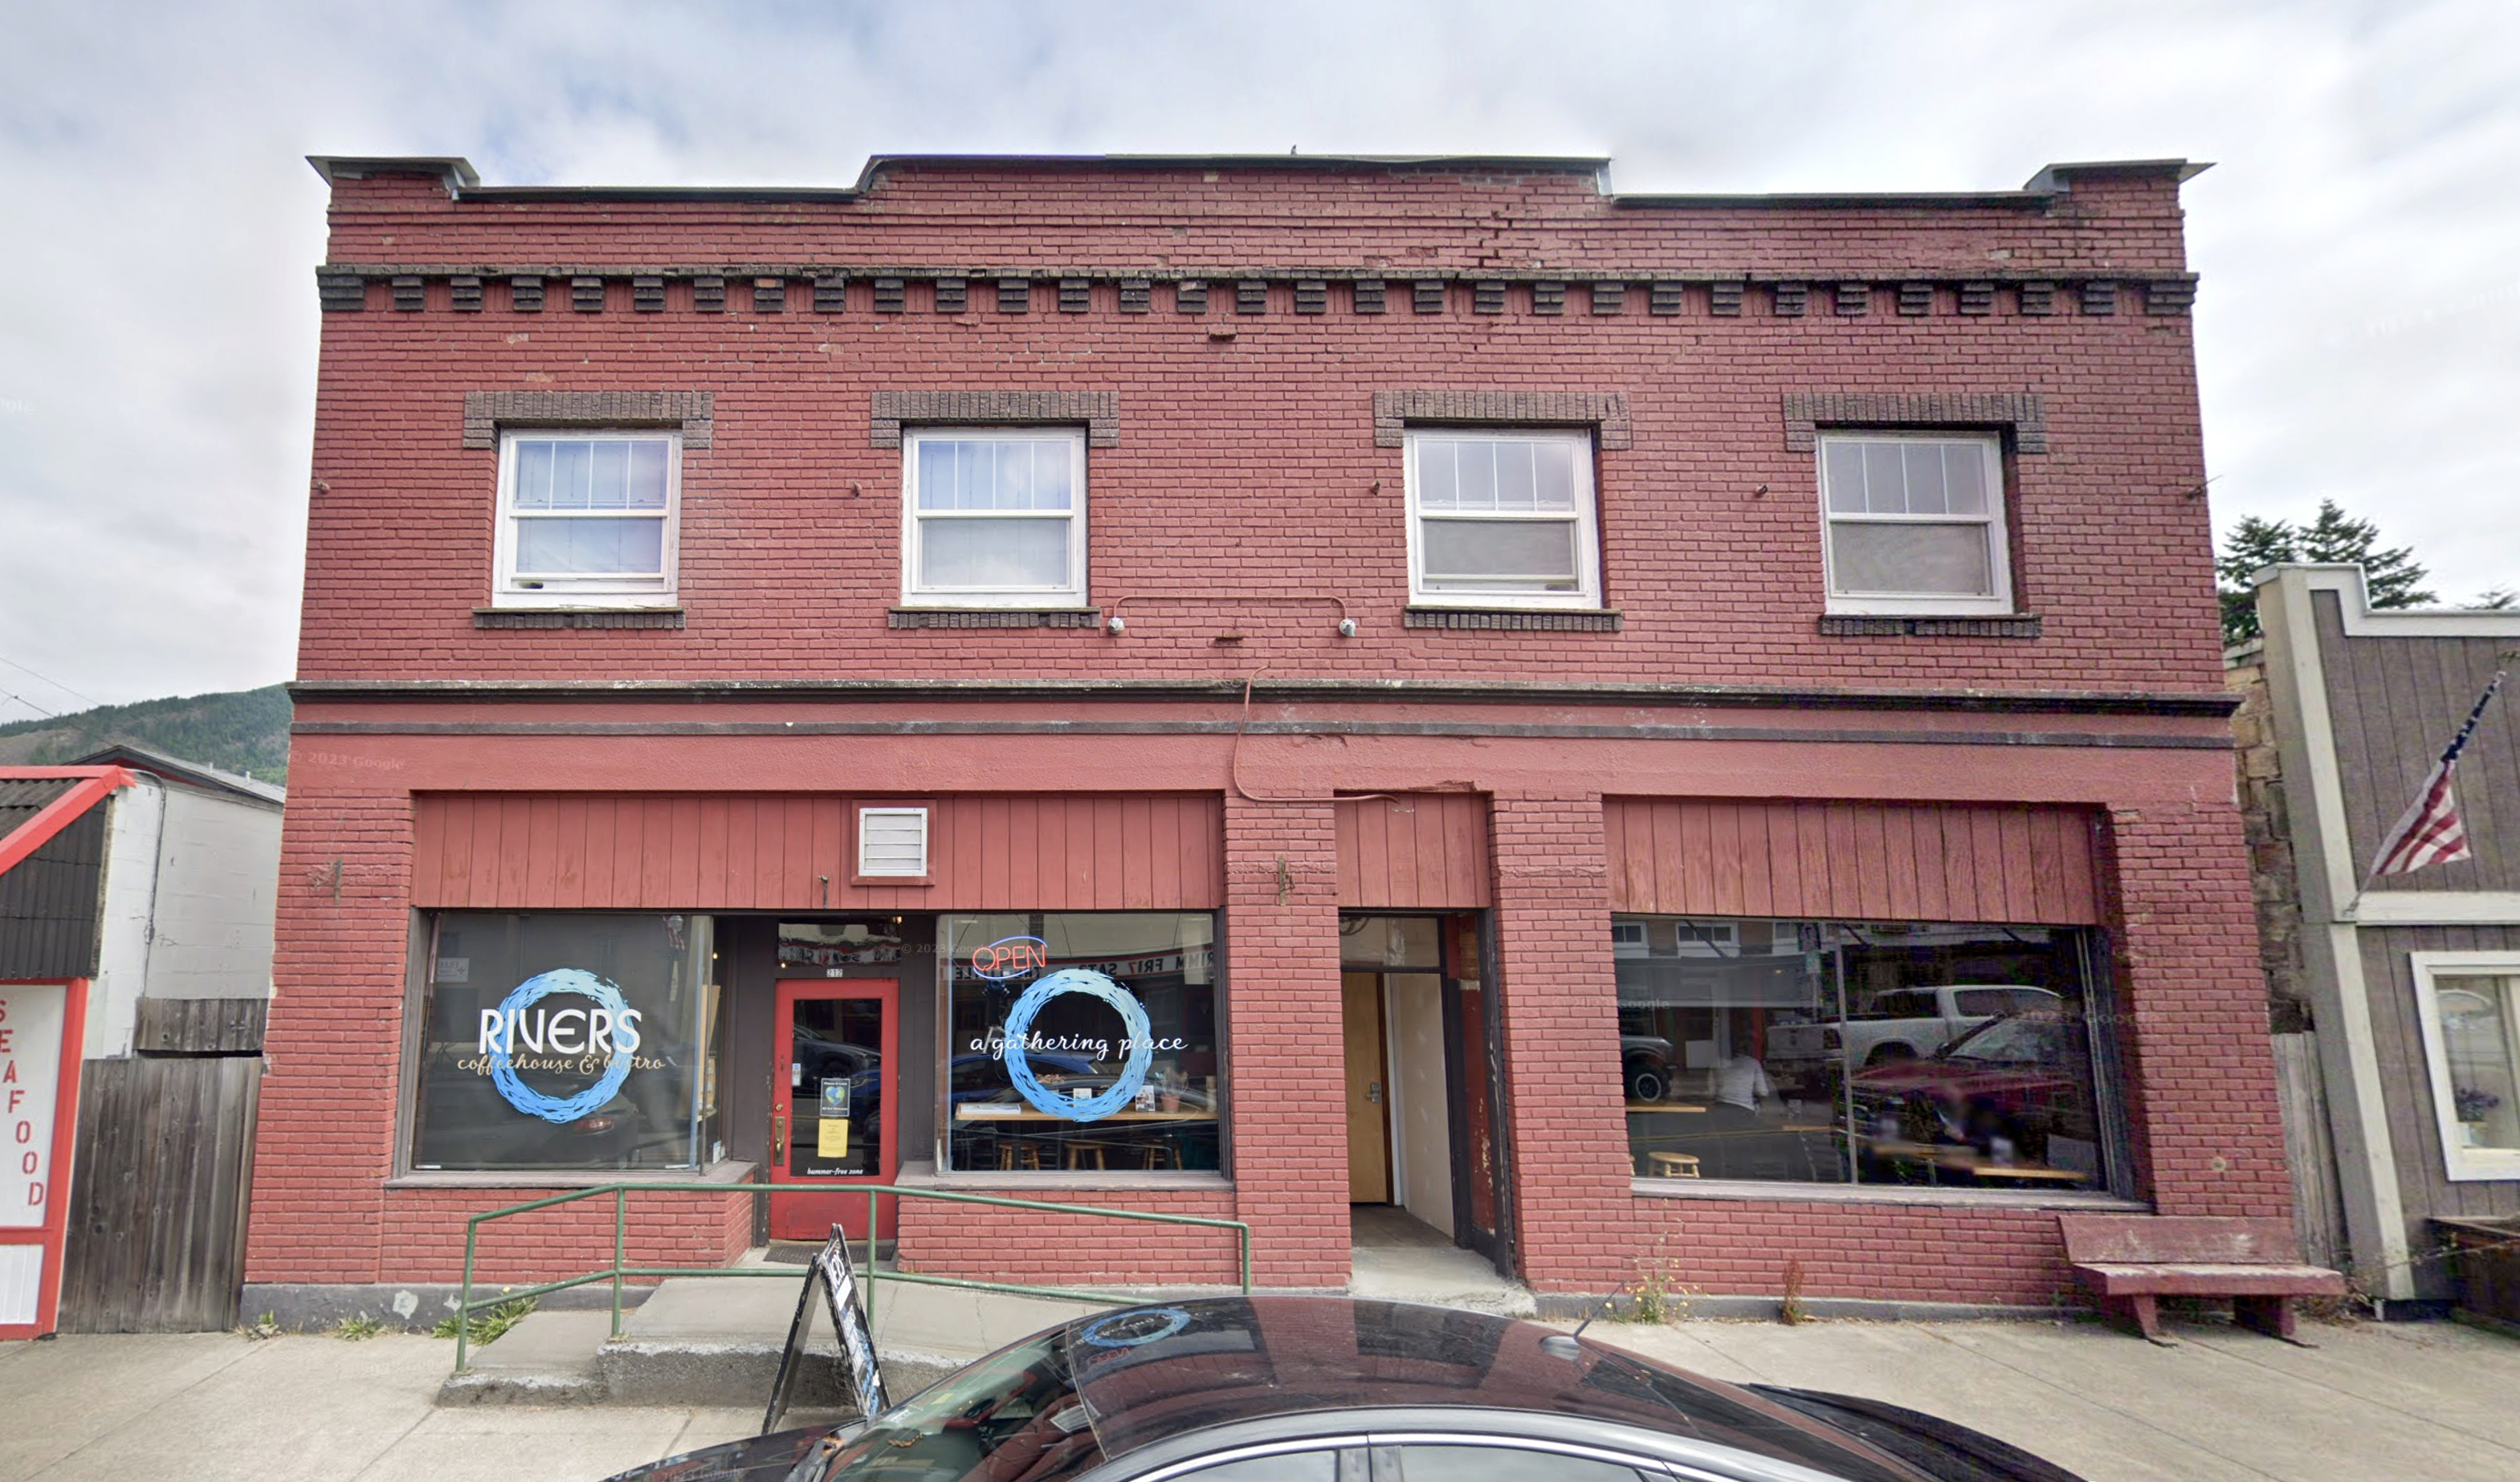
(861, 1379)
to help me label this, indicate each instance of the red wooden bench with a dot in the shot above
(2133, 1261)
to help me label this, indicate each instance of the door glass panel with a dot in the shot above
(835, 1088)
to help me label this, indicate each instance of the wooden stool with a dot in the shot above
(1672, 1165)
(1011, 1149)
(1078, 1152)
(1159, 1155)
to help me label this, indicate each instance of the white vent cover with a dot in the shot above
(892, 842)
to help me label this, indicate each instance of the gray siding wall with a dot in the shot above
(2415, 1131)
(2395, 703)
(218, 876)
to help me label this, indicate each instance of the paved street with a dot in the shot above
(2429, 1399)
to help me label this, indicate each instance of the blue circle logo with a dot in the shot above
(1136, 1326)
(1133, 1021)
(503, 1070)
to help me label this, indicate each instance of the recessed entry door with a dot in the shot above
(1369, 1091)
(829, 1121)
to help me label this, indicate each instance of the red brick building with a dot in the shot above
(1653, 734)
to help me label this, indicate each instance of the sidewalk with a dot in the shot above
(2428, 1400)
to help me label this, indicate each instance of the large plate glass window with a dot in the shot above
(588, 517)
(1913, 1053)
(567, 1040)
(996, 518)
(1501, 518)
(1074, 989)
(2468, 1005)
(1915, 523)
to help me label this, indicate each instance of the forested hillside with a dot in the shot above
(242, 731)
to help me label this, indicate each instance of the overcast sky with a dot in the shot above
(2358, 327)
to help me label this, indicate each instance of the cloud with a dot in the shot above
(157, 323)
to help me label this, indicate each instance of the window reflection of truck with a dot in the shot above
(1902, 1024)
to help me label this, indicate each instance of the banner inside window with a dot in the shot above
(567, 1040)
(1081, 1041)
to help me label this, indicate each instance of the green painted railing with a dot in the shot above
(621, 1271)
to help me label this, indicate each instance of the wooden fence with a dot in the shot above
(2317, 1207)
(158, 1203)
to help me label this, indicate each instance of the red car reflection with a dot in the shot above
(2017, 1090)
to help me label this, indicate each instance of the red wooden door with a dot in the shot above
(830, 1124)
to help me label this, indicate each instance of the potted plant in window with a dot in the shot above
(2472, 1106)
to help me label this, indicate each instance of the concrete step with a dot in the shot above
(1443, 1276)
(716, 1341)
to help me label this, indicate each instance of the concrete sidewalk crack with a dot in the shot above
(152, 1406)
(2152, 1421)
(2360, 1399)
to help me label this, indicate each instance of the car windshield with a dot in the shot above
(1015, 1414)
(2024, 1038)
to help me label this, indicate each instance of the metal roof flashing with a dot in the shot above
(454, 171)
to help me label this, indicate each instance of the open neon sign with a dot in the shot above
(1011, 957)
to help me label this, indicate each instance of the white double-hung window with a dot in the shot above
(1914, 523)
(1501, 520)
(2468, 1004)
(587, 518)
(993, 518)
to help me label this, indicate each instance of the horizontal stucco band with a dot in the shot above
(2137, 741)
(486, 412)
(2215, 705)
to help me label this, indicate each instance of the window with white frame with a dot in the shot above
(1501, 518)
(2469, 1004)
(993, 518)
(1915, 523)
(587, 518)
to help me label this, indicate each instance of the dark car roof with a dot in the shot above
(1151, 1373)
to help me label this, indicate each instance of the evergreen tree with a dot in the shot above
(2391, 577)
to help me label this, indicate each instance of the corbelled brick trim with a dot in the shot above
(2170, 295)
(1929, 627)
(2024, 412)
(1099, 411)
(530, 617)
(1393, 411)
(486, 412)
(1511, 620)
(340, 292)
(410, 295)
(992, 617)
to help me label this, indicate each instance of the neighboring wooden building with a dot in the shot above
(136, 895)
(2412, 982)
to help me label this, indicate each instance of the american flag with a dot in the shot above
(2430, 833)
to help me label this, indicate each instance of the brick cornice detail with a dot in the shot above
(1099, 411)
(486, 412)
(2023, 412)
(1606, 411)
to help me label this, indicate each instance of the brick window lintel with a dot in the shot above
(1605, 411)
(486, 412)
(2024, 413)
(1099, 411)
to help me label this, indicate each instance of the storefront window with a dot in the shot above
(1857, 1052)
(567, 1040)
(1081, 1041)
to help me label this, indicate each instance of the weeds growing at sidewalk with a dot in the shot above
(265, 1327)
(485, 1326)
(358, 1327)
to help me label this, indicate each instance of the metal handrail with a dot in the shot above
(619, 1270)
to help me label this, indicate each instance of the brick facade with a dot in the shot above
(1246, 383)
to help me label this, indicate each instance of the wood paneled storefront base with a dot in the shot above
(1855, 861)
(548, 851)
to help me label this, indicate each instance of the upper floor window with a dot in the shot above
(1501, 520)
(995, 518)
(588, 517)
(1915, 523)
